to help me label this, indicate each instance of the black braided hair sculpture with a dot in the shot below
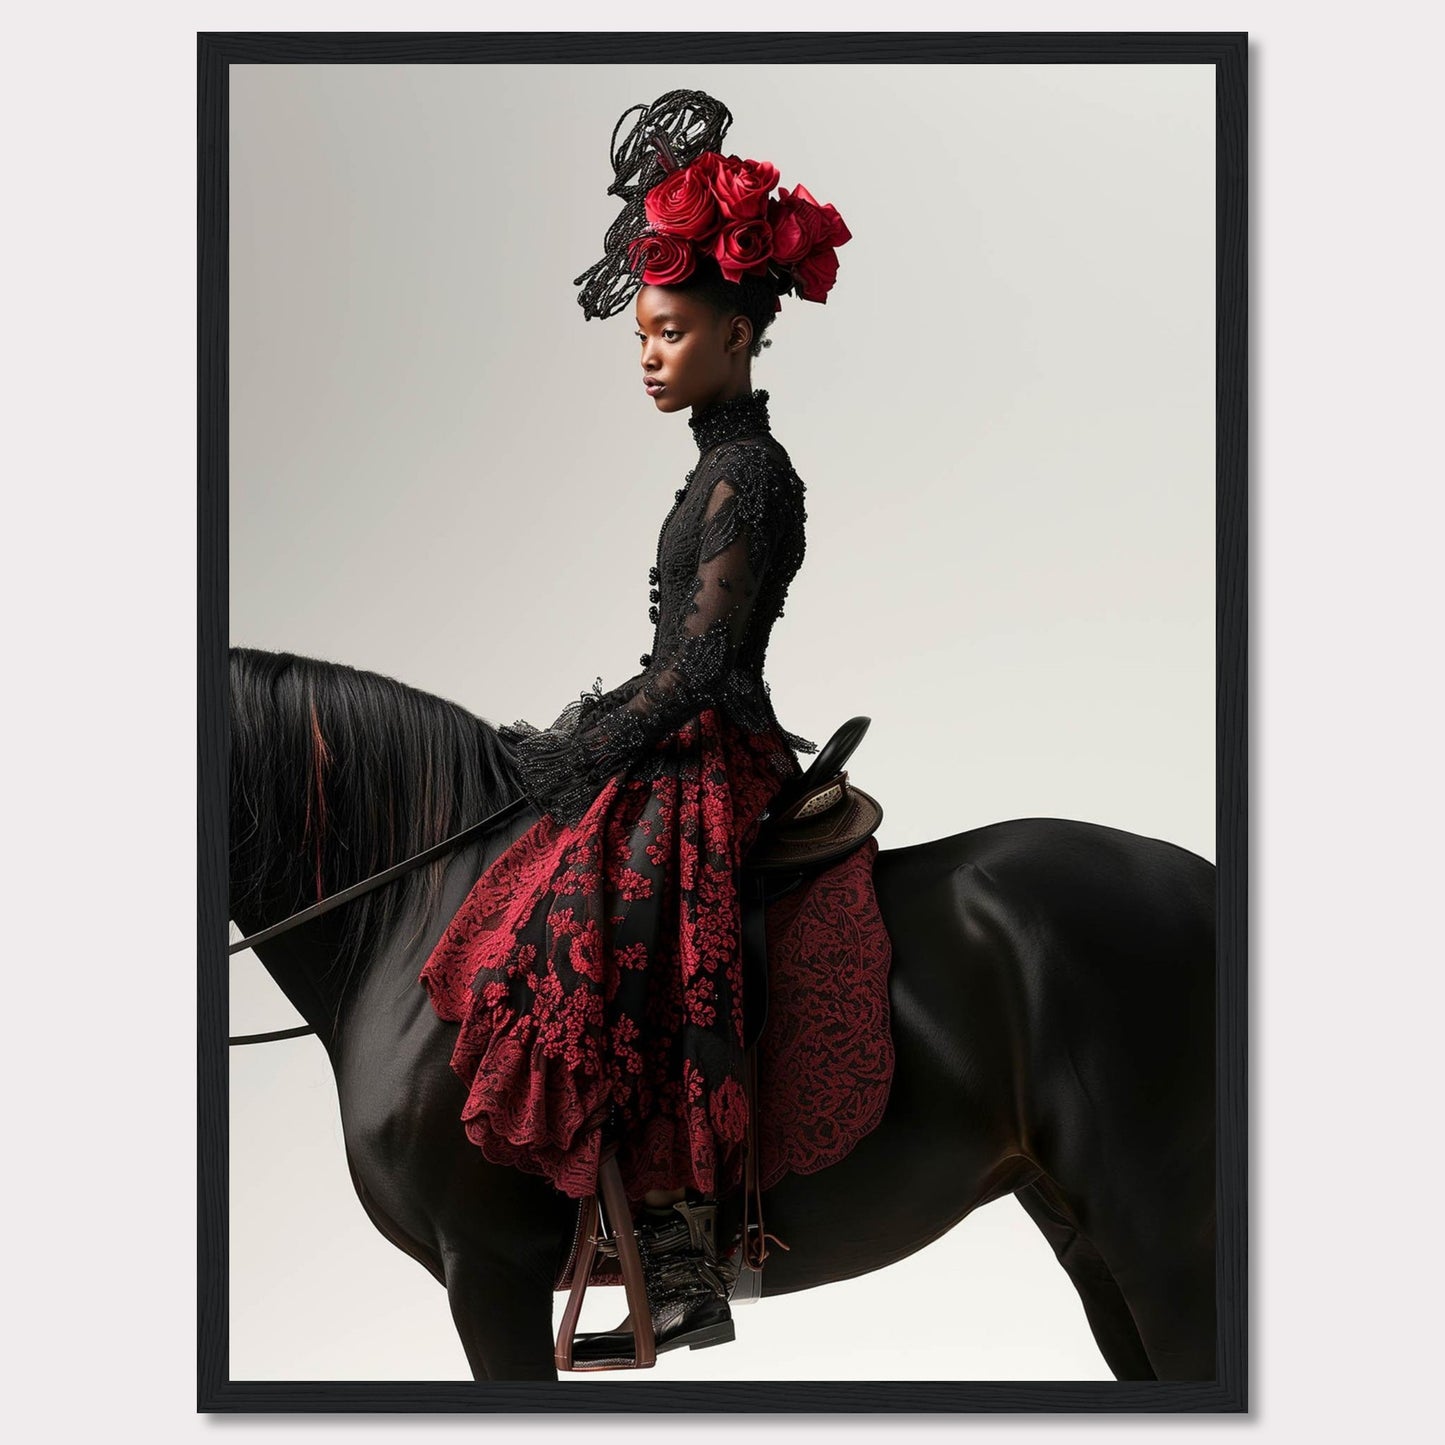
(687, 122)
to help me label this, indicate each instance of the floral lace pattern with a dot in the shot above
(825, 1058)
(596, 974)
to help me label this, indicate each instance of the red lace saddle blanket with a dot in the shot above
(825, 1056)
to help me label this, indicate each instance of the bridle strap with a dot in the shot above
(305, 915)
(272, 1036)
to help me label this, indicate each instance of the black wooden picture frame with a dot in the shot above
(1228, 53)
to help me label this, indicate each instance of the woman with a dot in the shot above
(595, 968)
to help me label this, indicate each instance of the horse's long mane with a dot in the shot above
(337, 773)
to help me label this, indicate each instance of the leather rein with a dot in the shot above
(315, 910)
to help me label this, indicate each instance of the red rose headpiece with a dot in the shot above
(720, 206)
(685, 199)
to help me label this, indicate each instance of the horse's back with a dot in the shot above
(1084, 962)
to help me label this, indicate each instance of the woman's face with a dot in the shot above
(691, 354)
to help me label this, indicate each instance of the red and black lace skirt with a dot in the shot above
(596, 973)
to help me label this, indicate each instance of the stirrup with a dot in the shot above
(621, 1241)
(688, 1287)
(613, 1198)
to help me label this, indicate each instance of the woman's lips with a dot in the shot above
(653, 387)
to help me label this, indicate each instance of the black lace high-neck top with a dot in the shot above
(726, 554)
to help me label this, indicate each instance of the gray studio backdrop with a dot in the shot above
(1004, 416)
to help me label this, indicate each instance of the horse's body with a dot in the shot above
(1052, 994)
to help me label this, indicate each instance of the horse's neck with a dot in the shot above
(301, 964)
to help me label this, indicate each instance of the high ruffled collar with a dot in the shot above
(724, 420)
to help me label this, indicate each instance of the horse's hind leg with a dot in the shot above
(1164, 1264)
(1107, 1311)
(503, 1316)
(1151, 1220)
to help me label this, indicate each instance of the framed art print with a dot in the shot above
(972, 1063)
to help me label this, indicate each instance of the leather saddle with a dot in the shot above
(816, 819)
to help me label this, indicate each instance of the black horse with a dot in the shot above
(1052, 995)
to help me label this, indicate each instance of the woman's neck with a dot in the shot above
(744, 414)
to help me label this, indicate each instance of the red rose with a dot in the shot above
(834, 230)
(804, 237)
(816, 274)
(741, 187)
(666, 260)
(797, 227)
(682, 204)
(744, 247)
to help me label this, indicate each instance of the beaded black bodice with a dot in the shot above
(726, 554)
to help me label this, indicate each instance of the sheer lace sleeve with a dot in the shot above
(565, 766)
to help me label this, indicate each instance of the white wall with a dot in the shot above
(1004, 415)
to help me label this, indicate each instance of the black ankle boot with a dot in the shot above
(687, 1283)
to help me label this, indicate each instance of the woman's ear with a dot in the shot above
(740, 334)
